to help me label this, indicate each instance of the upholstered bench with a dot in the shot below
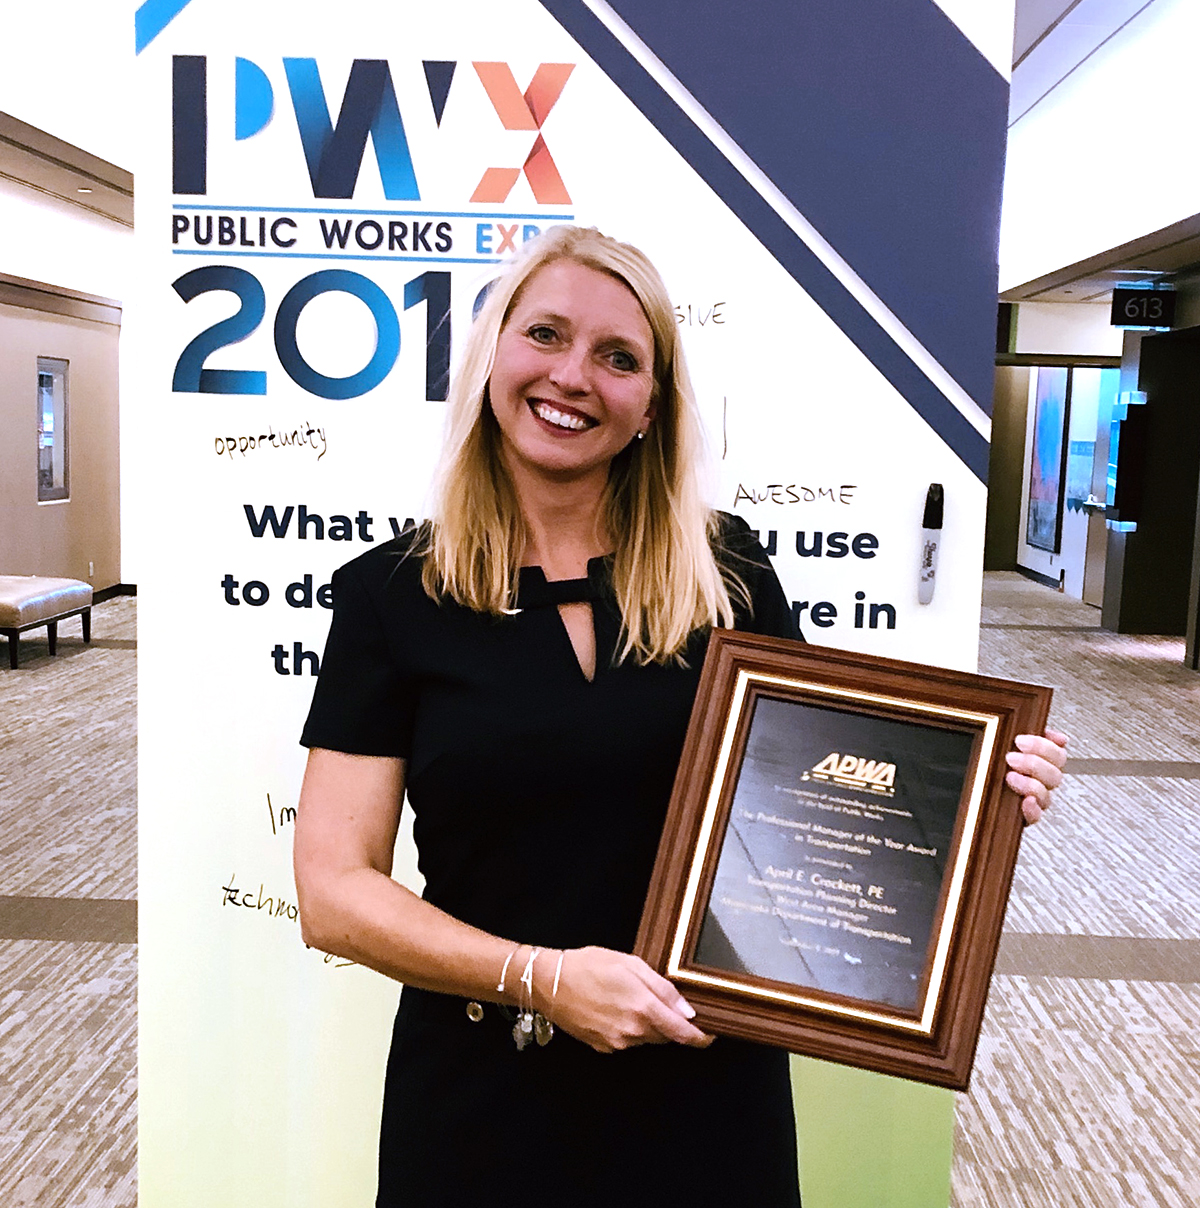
(27, 601)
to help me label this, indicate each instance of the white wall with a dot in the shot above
(53, 241)
(65, 67)
(1067, 329)
(1107, 156)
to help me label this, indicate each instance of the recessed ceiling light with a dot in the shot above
(83, 190)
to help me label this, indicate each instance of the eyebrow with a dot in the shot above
(544, 316)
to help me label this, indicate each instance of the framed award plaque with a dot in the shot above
(838, 853)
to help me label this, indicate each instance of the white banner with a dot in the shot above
(324, 192)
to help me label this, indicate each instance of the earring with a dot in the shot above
(641, 436)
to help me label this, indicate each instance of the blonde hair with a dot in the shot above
(665, 577)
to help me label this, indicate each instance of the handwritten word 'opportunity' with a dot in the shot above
(306, 436)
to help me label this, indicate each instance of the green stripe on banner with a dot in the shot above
(870, 1141)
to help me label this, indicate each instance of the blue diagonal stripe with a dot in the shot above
(152, 18)
(773, 233)
(882, 124)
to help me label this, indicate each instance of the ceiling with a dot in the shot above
(1160, 256)
(1052, 39)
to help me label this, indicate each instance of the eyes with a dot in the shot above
(620, 358)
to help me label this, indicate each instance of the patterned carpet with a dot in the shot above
(68, 921)
(1086, 1090)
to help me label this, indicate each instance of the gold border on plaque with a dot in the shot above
(989, 726)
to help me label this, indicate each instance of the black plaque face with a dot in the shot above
(832, 864)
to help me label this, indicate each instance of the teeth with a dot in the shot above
(560, 420)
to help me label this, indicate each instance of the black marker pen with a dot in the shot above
(931, 538)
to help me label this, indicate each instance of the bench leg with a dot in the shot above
(14, 646)
(87, 624)
(52, 636)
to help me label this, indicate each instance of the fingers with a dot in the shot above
(664, 990)
(1035, 797)
(1058, 737)
(1044, 748)
(1035, 769)
(612, 1000)
(1032, 781)
(1038, 760)
(671, 1013)
(667, 1025)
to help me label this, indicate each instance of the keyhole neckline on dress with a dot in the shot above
(534, 590)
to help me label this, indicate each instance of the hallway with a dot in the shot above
(1086, 1089)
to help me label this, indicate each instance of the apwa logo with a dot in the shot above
(855, 772)
(334, 151)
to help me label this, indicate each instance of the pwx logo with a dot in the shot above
(369, 111)
(855, 772)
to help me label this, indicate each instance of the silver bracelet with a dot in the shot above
(523, 1029)
(504, 971)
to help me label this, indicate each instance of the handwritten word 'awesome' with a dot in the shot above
(787, 493)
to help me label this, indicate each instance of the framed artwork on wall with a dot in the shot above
(1043, 526)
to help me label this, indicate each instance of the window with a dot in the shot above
(52, 429)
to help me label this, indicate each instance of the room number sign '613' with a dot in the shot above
(1142, 307)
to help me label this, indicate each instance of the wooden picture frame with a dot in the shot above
(845, 902)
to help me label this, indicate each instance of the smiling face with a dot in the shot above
(573, 375)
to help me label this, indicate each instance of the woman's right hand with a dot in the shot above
(613, 1000)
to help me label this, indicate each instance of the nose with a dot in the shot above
(569, 370)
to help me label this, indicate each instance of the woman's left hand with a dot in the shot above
(1035, 769)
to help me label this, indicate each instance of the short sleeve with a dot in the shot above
(363, 702)
(770, 611)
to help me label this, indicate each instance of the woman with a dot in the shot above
(524, 666)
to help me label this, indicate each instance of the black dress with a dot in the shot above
(538, 799)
